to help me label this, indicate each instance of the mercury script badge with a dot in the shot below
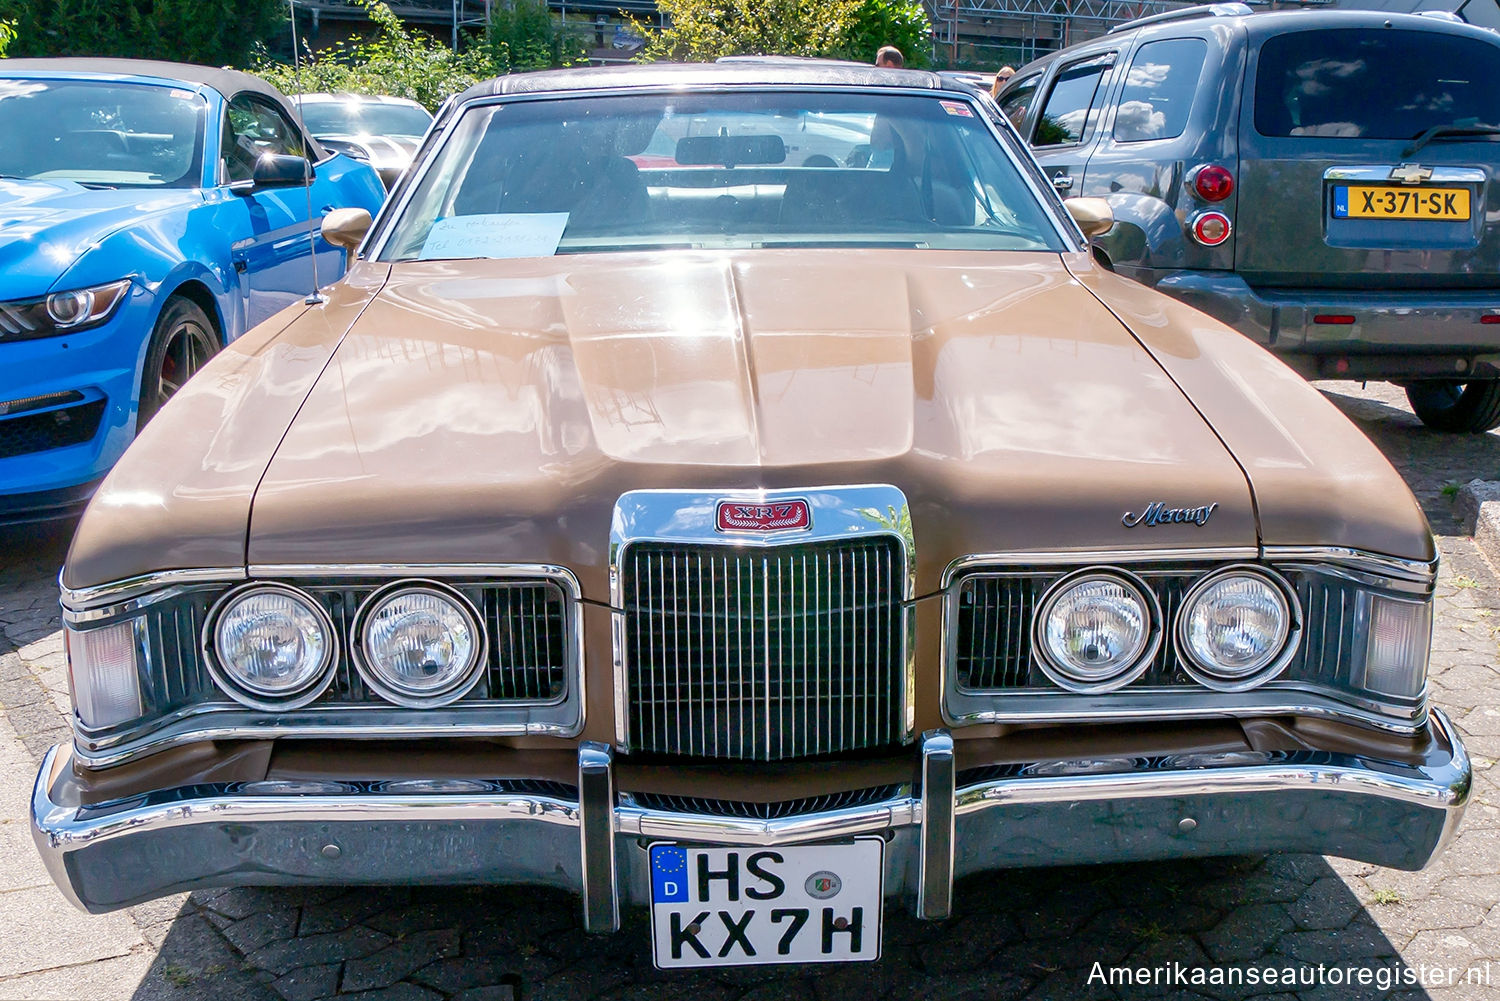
(1157, 513)
(776, 516)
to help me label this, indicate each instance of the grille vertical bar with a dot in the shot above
(765, 653)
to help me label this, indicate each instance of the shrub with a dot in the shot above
(902, 23)
(525, 36)
(703, 30)
(202, 31)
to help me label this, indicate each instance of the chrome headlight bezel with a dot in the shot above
(1289, 635)
(393, 692)
(246, 694)
(1146, 651)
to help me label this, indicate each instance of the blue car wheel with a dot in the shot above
(183, 339)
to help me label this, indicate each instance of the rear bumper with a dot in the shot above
(1406, 333)
(593, 840)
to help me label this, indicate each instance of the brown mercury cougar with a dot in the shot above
(735, 491)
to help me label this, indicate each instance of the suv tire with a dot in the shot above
(1460, 407)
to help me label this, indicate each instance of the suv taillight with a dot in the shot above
(1213, 183)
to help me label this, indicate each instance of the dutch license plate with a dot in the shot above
(1392, 201)
(750, 906)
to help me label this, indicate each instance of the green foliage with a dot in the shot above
(7, 35)
(214, 32)
(525, 36)
(703, 30)
(396, 62)
(902, 23)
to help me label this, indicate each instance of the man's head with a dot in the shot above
(890, 57)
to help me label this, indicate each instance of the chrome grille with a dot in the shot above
(992, 648)
(764, 811)
(763, 653)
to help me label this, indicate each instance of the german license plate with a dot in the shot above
(747, 907)
(1393, 201)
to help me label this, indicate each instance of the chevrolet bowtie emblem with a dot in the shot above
(1411, 173)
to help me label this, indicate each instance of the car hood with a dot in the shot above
(495, 410)
(45, 226)
(491, 411)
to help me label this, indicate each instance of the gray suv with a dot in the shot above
(1324, 181)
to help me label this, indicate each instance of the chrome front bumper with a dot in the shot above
(594, 843)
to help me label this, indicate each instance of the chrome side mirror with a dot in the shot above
(346, 228)
(1093, 215)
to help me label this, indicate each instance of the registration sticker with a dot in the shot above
(957, 108)
(753, 906)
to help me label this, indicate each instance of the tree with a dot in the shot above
(396, 62)
(524, 36)
(703, 30)
(214, 32)
(7, 35)
(902, 23)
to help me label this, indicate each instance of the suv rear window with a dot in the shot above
(1374, 83)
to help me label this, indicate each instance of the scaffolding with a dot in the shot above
(1028, 28)
(460, 14)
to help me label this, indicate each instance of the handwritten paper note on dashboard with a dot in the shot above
(497, 235)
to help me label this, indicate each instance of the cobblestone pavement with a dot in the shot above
(1027, 934)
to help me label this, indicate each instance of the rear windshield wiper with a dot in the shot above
(1454, 131)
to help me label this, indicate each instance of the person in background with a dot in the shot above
(890, 57)
(1003, 74)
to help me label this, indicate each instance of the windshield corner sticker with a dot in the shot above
(1157, 513)
(957, 108)
(495, 235)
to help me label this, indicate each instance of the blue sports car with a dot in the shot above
(149, 214)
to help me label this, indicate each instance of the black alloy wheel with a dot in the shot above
(184, 338)
(1457, 407)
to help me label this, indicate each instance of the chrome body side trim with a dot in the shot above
(596, 822)
(1381, 173)
(1089, 558)
(1386, 569)
(123, 597)
(939, 778)
(689, 517)
(1045, 813)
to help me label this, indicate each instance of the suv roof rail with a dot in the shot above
(1187, 13)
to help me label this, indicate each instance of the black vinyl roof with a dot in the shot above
(769, 70)
(227, 82)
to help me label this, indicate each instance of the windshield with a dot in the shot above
(725, 170)
(364, 118)
(1374, 83)
(102, 134)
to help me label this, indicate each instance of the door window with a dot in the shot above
(1016, 101)
(254, 127)
(1159, 89)
(1072, 104)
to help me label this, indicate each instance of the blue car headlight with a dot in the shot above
(61, 312)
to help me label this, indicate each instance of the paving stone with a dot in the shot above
(1246, 933)
(399, 992)
(398, 959)
(1328, 903)
(308, 983)
(315, 950)
(506, 993)
(249, 934)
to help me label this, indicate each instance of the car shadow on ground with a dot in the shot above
(1410, 446)
(1057, 934)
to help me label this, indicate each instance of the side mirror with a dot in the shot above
(276, 170)
(346, 228)
(1093, 215)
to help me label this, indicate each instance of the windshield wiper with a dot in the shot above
(1454, 131)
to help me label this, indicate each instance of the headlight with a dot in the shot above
(1096, 632)
(1233, 628)
(61, 312)
(419, 644)
(273, 647)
